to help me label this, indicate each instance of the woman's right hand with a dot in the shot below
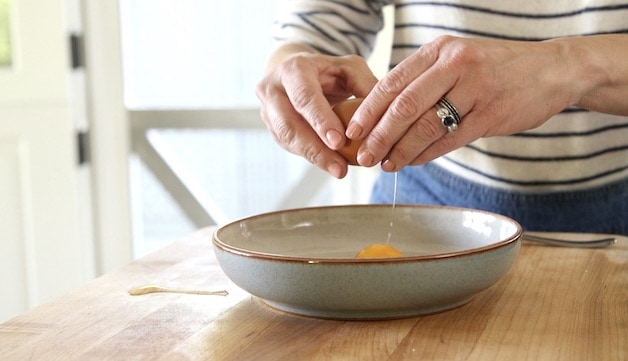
(297, 95)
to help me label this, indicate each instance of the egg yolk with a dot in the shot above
(379, 251)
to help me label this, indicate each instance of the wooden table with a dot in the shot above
(554, 304)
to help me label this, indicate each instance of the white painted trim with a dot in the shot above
(109, 131)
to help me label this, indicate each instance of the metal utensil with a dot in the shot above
(153, 289)
(591, 243)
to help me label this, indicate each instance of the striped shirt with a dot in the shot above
(575, 149)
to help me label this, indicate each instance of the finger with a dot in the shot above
(381, 99)
(430, 138)
(469, 130)
(403, 112)
(295, 135)
(307, 98)
(425, 130)
(316, 85)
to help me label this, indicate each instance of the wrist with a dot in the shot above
(597, 78)
(582, 70)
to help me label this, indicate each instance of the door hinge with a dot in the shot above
(82, 140)
(77, 57)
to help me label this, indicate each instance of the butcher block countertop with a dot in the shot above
(554, 304)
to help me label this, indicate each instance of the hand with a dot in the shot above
(297, 95)
(498, 88)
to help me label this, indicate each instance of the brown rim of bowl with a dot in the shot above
(318, 260)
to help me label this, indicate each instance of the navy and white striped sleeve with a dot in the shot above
(329, 26)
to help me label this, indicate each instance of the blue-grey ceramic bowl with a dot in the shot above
(303, 261)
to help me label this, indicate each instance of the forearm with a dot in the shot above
(600, 68)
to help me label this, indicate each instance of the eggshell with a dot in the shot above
(344, 110)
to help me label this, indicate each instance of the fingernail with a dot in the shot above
(366, 159)
(388, 166)
(335, 139)
(335, 170)
(354, 130)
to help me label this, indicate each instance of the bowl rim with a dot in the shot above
(325, 260)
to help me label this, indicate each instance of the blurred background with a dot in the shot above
(126, 125)
(196, 54)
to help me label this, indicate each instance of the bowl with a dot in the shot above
(303, 261)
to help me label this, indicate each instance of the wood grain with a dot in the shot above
(554, 304)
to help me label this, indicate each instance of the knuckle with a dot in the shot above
(467, 53)
(405, 107)
(294, 63)
(351, 59)
(312, 153)
(444, 40)
(393, 82)
(284, 135)
(401, 154)
(260, 90)
(377, 141)
(429, 130)
(265, 88)
(287, 137)
(301, 96)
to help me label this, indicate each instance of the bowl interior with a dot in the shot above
(340, 232)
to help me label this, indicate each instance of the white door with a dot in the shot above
(43, 249)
